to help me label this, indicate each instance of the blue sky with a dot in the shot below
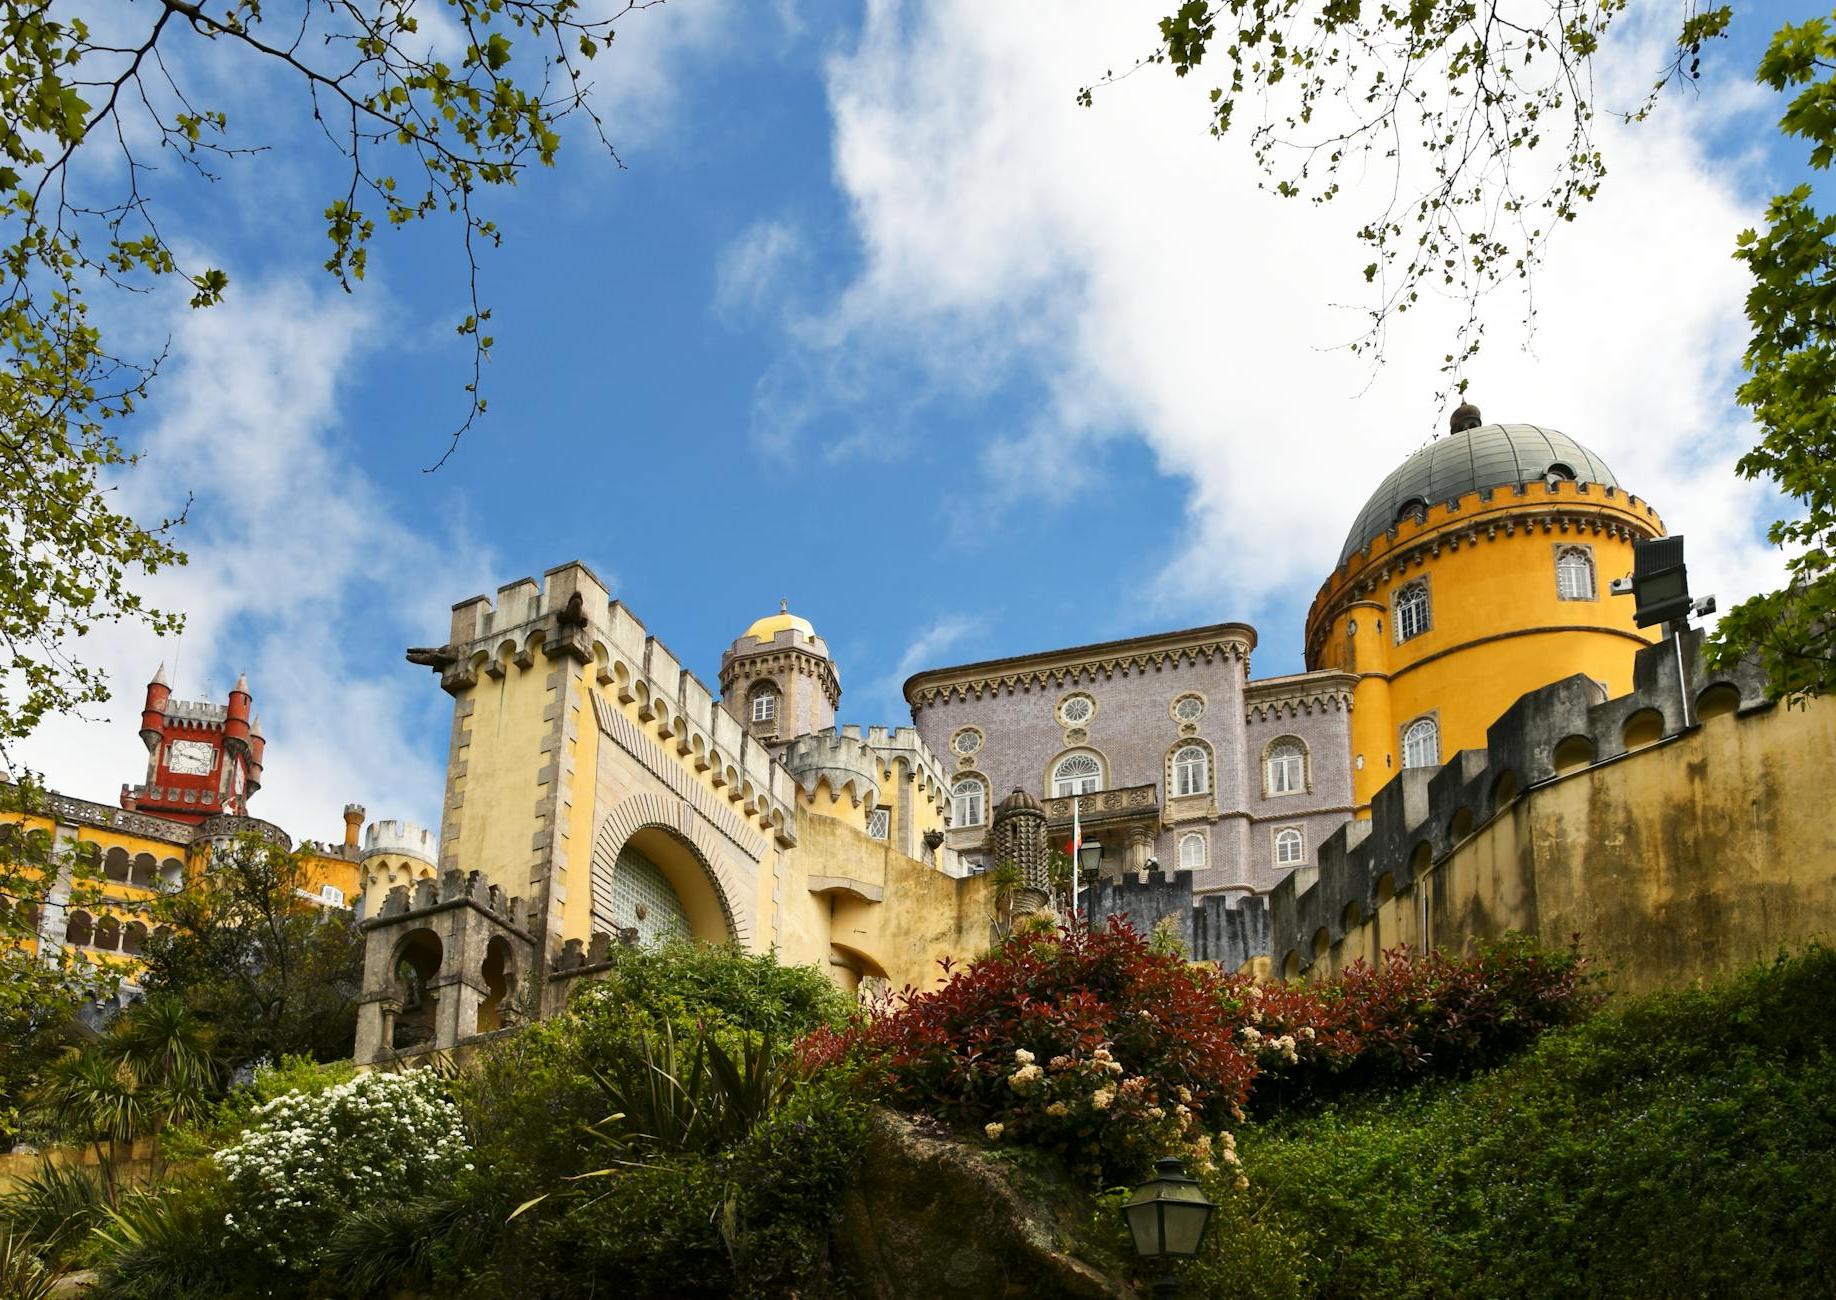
(877, 322)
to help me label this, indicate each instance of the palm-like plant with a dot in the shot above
(153, 1068)
(24, 1274)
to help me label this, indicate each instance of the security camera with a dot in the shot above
(1705, 606)
(1620, 586)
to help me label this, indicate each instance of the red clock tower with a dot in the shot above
(203, 760)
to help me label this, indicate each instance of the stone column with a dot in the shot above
(1140, 845)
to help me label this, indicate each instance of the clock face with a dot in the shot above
(190, 757)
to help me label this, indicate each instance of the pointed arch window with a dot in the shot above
(1421, 746)
(968, 802)
(1191, 770)
(1574, 572)
(1076, 774)
(1286, 768)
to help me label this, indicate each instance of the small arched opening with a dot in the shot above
(1646, 727)
(1571, 754)
(1386, 887)
(1718, 701)
(79, 930)
(108, 934)
(144, 871)
(171, 875)
(1504, 789)
(116, 864)
(134, 939)
(1461, 826)
(499, 975)
(417, 961)
(1290, 965)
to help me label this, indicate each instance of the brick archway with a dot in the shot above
(678, 819)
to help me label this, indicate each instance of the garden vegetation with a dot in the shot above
(1436, 1126)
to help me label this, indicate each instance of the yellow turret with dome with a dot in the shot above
(1476, 573)
(765, 630)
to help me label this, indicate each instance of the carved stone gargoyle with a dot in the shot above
(441, 657)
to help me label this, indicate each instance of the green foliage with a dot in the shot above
(687, 983)
(270, 971)
(1683, 1144)
(1481, 127)
(418, 133)
(54, 1207)
(170, 1245)
(1791, 385)
(24, 1274)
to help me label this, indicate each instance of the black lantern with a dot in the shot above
(1090, 857)
(1167, 1217)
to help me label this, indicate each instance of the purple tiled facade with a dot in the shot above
(1016, 709)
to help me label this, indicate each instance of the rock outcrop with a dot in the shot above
(932, 1216)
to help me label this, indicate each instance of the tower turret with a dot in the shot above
(153, 715)
(779, 680)
(236, 719)
(258, 745)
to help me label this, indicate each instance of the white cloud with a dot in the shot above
(751, 268)
(926, 650)
(1127, 259)
(298, 568)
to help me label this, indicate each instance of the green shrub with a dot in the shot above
(24, 1272)
(1682, 1144)
(171, 1245)
(54, 1207)
(689, 983)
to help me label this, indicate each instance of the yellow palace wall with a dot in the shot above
(1497, 627)
(1674, 862)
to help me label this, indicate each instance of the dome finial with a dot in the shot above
(784, 607)
(1465, 416)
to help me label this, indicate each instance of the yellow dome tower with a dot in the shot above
(1477, 571)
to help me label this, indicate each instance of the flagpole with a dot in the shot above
(1077, 851)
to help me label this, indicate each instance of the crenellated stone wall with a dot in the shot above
(1679, 831)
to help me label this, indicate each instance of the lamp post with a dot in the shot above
(1167, 1218)
(1089, 862)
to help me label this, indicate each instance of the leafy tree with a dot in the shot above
(269, 970)
(1479, 117)
(1791, 384)
(40, 991)
(423, 121)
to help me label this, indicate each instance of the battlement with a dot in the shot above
(1565, 728)
(197, 713)
(452, 890)
(842, 758)
(1214, 927)
(400, 837)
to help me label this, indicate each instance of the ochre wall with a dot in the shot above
(1673, 863)
(1497, 626)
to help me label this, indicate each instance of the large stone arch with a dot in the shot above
(679, 823)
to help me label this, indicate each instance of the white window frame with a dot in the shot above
(1410, 611)
(1193, 839)
(963, 800)
(1090, 782)
(1582, 558)
(1285, 769)
(765, 704)
(1295, 836)
(1412, 741)
(332, 894)
(1191, 775)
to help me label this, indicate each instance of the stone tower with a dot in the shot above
(203, 760)
(1018, 836)
(778, 679)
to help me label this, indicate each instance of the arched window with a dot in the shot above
(108, 933)
(1076, 774)
(116, 865)
(1287, 767)
(968, 802)
(1290, 847)
(1574, 573)
(1191, 771)
(134, 938)
(1411, 610)
(765, 704)
(79, 930)
(1191, 851)
(332, 895)
(1421, 743)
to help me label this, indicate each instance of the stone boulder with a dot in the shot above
(929, 1215)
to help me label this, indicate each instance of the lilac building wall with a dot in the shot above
(1015, 705)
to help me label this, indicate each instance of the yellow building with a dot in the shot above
(1476, 572)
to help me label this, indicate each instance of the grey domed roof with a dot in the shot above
(1489, 455)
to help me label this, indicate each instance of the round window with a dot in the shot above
(967, 741)
(1189, 708)
(1076, 709)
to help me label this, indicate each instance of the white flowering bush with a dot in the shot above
(311, 1158)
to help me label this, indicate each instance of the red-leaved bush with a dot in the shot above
(1091, 1044)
